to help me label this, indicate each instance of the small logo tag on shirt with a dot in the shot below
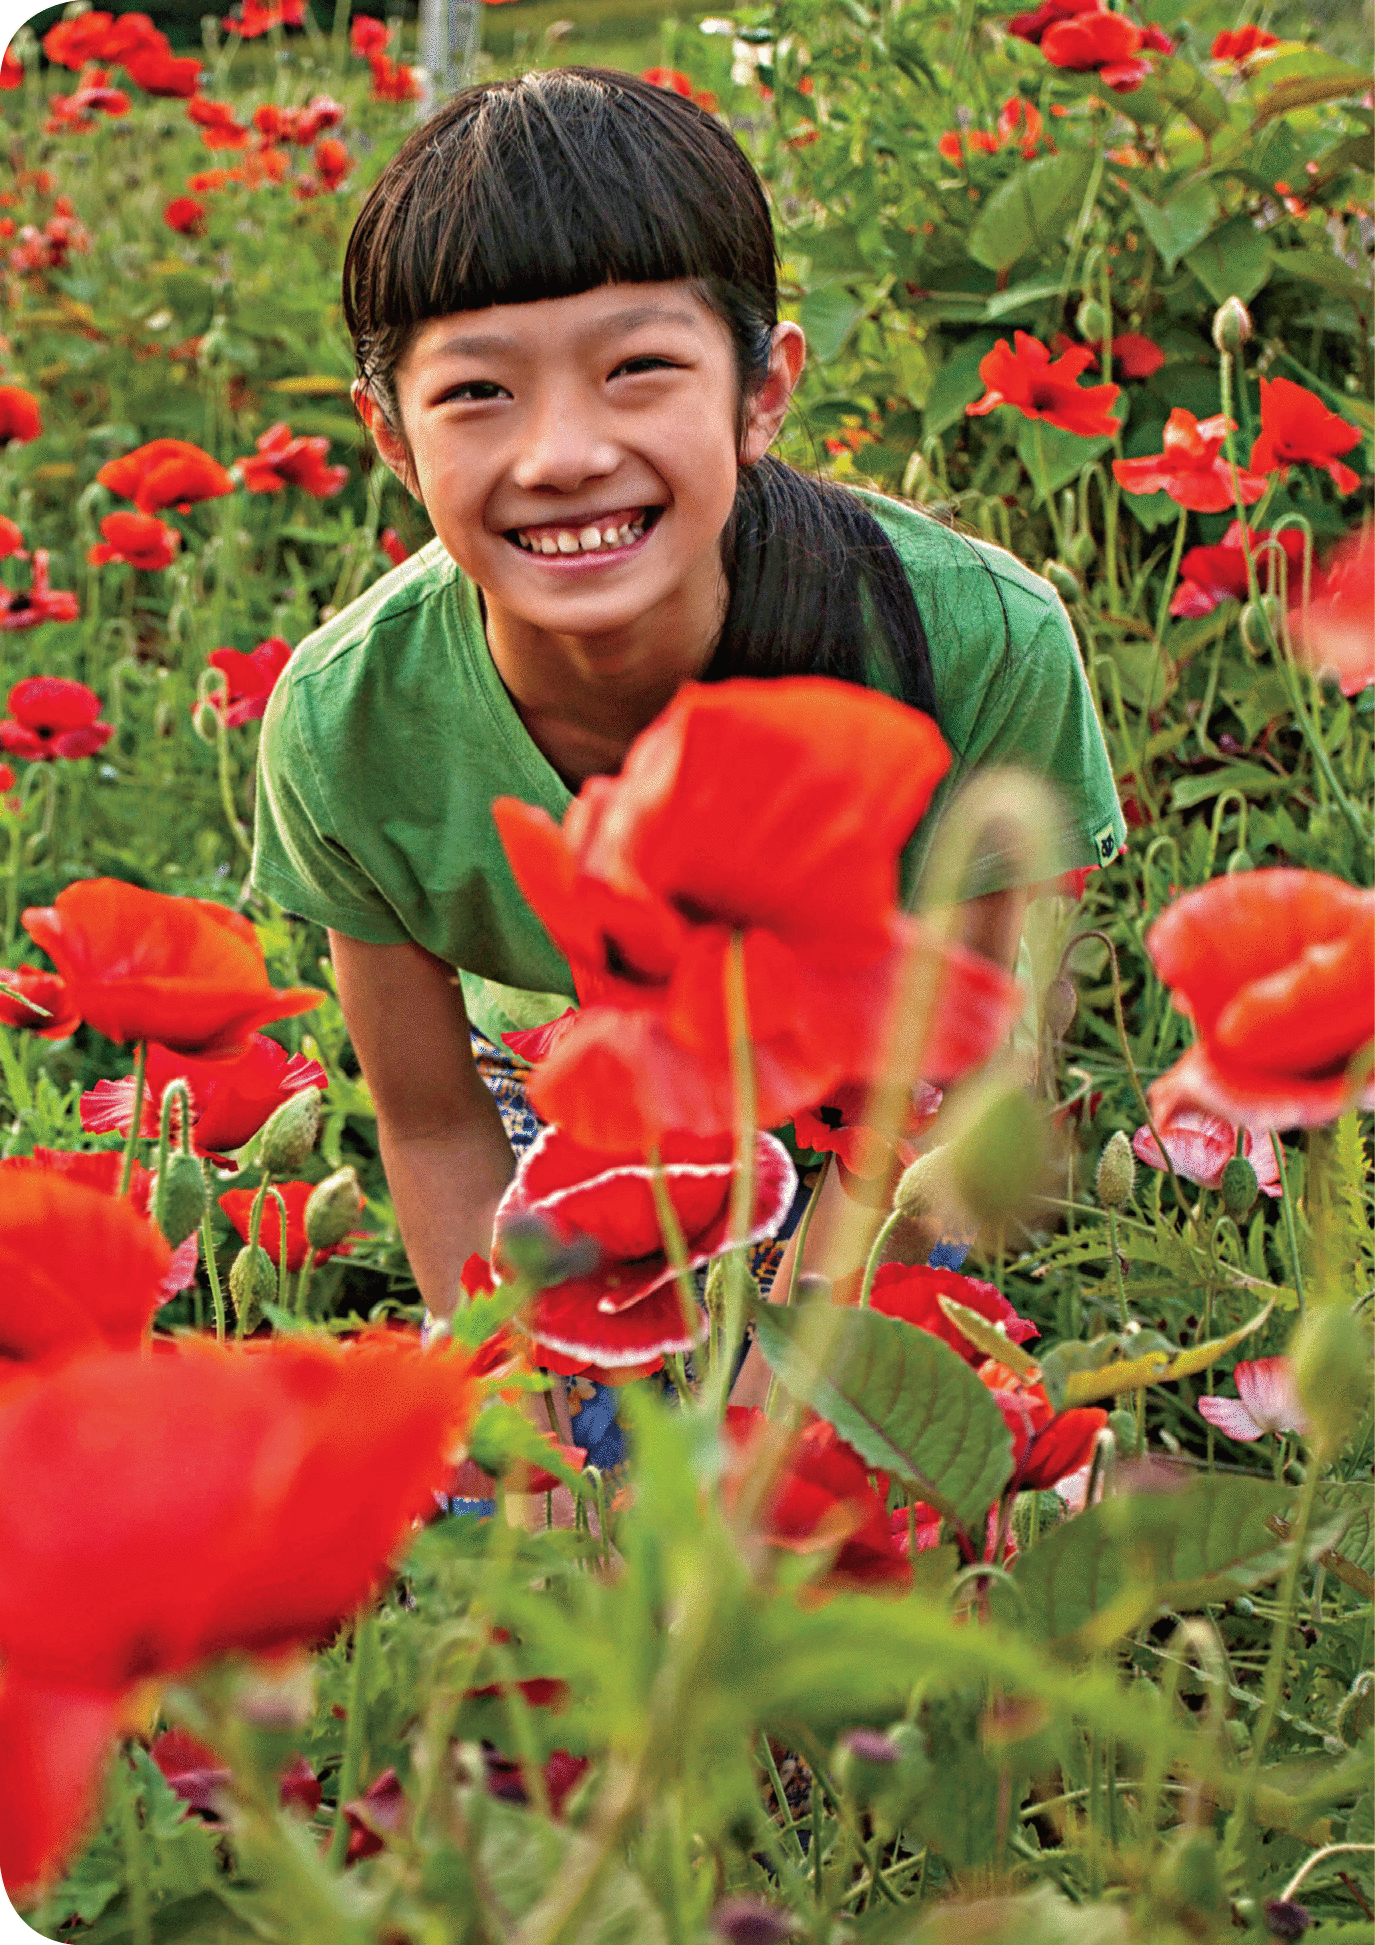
(1106, 843)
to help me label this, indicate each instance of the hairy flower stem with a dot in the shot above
(212, 1272)
(1162, 613)
(742, 1184)
(298, 1305)
(280, 1201)
(1123, 1313)
(675, 1244)
(875, 1257)
(1125, 1045)
(231, 810)
(135, 1852)
(799, 1252)
(131, 1140)
(1287, 1203)
(350, 1767)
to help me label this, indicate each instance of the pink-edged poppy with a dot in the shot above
(367, 35)
(52, 718)
(238, 1206)
(1209, 575)
(1190, 466)
(1336, 635)
(1297, 429)
(80, 1269)
(104, 1171)
(837, 1127)
(230, 1099)
(164, 473)
(647, 879)
(31, 606)
(1106, 44)
(1044, 389)
(822, 1503)
(1266, 1401)
(136, 539)
(627, 1310)
(1276, 970)
(1200, 1145)
(20, 418)
(283, 460)
(1047, 1446)
(58, 1018)
(912, 1292)
(186, 215)
(249, 679)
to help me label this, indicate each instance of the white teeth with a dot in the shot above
(548, 546)
(568, 543)
(587, 540)
(590, 537)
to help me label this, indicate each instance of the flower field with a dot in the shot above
(1035, 1607)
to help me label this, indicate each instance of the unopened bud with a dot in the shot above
(1240, 860)
(1331, 1371)
(1126, 1434)
(1061, 1005)
(1260, 624)
(291, 1134)
(995, 1164)
(811, 1288)
(1082, 549)
(179, 1199)
(921, 1188)
(1239, 1187)
(1116, 1177)
(1231, 325)
(332, 1209)
(1091, 321)
(749, 1921)
(252, 1283)
(1064, 581)
(1035, 1513)
(205, 719)
(1356, 1716)
(1284, 1918)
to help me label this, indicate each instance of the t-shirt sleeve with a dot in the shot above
(298, 862)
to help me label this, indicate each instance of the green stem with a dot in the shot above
(282, 1272)
(1162, 613)
(1287, 1202)
(1125, 1045)
(742, 1184)
(803, 1228)
(213, 1273)
(131, 1141)
(135, 1853)
(231, 812)
(675, 1245)
(1124, 1314)
(351, 1764)
(875, 1257)
(1044, 494)
(303, 1283)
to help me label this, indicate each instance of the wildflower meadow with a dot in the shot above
(1035, 1607)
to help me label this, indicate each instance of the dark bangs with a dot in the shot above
(548, 185)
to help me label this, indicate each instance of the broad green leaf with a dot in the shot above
(1156, 1367)
(827, 316)
(1022, 297)
(1054, 458)
(956, 384)
(1233, 262)
(1326, 269)
(1186, 88)
(1030, 211)
(1186, 792)
(985, 1337)
(1177, 225)
(903, 1399)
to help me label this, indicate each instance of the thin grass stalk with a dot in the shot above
(126, 1174)
(742, 1183)
(1287, 1202)
(351, 1765)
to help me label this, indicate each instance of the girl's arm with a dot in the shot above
(444, 1149)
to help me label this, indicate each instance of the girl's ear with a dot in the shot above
(768, 406)
(391, 446)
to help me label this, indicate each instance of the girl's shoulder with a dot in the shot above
(944, 564)
(401, 615)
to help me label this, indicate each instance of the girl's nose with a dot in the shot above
(565, 441)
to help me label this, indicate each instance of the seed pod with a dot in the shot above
(1285, 1918)
(291, 1133)
(179, 1198)
(1061, 1005)
(1091, 321)
(1260, 624)
(1064, 581)
(1231, 325)
(1116, 1177)
(332, 1209)
(996, 1162)
(1082, 550)
(252, 1283)
(1239, 1188)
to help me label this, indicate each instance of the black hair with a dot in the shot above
(561, 181)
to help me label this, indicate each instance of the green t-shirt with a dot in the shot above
(390, 732)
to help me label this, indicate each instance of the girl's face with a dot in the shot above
(578, 455)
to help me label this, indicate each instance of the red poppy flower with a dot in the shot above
(669, 78)
(953, 143)
(368, 36)
(282, 460)
(1209, 575)
(562, 1770)
(250, 678)
(1031, 26)
(230, 1099)
(1136, 356)
(392, 80)
(51, 717)
(11, 539)
(333, 162)
(48, 991)
(822, 1503)
(393, 546)
(1337, 635)
(216, 122)
(20, 419)
(238, 1206)
(627, 1310)
(165, 473)
(1276, 969)
(1019, 120)
(29, 607)
(1297, 429)
(1237, 45)
(72, 43)
(57, 1743)
(186, 215)
(11, 70)
(158, 71)
(647, 879)
(913, 1291)
(105, 1172)
(140, 965)
(80, 1269)
(72, 113)
(1041, 389)
(1200, 1145)
(1105, 44)
(837, 1127)
(1046, 1446)
(1190, 468)
(193, 1771)
(137, 539)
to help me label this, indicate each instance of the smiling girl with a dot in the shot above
(563, 304)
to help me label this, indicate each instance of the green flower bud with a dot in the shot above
(1260, 624)
(1331, 1354)
(1064, 581)
(1231, 325)
(252, 1283)
(333, 1207)
(1126, 1434)
(995, 1164)
(1082, 550)
(1061, 1005)
(291, 1133)
(1116, 1177)
(921, 1188)
(1356, 1716)
(1191, 1880)
(179, 1198)
(530, 1247)
(1091, 321)
(1239, 1188)
(205, 720)
(1240, 860)
(1039, 1509)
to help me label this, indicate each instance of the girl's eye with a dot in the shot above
(473, 390)
(634, 365)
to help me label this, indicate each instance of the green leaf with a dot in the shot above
(526, 1859)
(1185, 88)
(1029, 212)
(1177, 225)
(827, 316)
(988, 1338)
(903, 1399)
(956, 384)
(1157, 1366)
(1233, 262)
(1053, 457)
(1304, 78)
(1325, 269)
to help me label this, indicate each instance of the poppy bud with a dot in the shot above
(995, 1163)
(1356, 1715)
(1091, 321)
(1116, 1177)
(1126, 1434)
(749, 1921)
(1231, 325)
(1192, 1877)
(252, 1283)
(1260, 624)
(811, 1288)
(921, 1187)
(1040, 1510)
(290, 1135)
(1285, 1919)
(1239, 1187)
(1331, 1371)
(332, 1209)
(205, 720)
(1064, 581)
(1082, 550)
(1061, 1005)
(179, 1197)
(864, 1761)
(1240, 860)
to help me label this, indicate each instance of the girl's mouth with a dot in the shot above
(609, 534)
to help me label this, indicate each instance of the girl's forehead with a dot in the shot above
(604, 311)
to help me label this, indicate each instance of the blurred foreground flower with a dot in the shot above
(1200, 1145)
(104, 1171)
(80, 1269)
(1336, 636)
(1040, 389)
(1276, 969)
(51, 717)
(1297, 429)
(1190, 467)
(230, 1099)
(1266, 1401)
(20, 419)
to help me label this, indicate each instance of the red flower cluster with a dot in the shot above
(1337, 634)
(1019, 122)
(303, 126)
(51, 717)
(137, 539)
(252, 18)
(48, 249)
(1209, 575)
(238, 1206)
(166, 472)
(1276, 969)
(230, 1099)
(681, 84)
(249, 679)
(1190, 468)
(1297, 429)
(1090, 40)
(1239, 45)
(391, 80)
(1040, 389)
(215, 120)
(282, 460)
(27, 607)
(130, 41)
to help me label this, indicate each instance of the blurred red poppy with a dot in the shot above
(1297, 429)
(1209, 575)
(252, 18)
(1040, 389)
(71, 114)
(11, 70)
(627, 1309)
(140, 965)
(821, 1503)
(11, 539)
(104, 1171)
(953, 144)
(1337, 634)
(72, 43)
(137, 539)
(186, 215)
(238, 1206)
(217, 123)
(20, 419)
(1200, 1145)
(913, 1292)
(51, 717)
(670, 78)
(393, 546)
(1031, 26)
(1106, 44)
(837, 1127)
(1276, 969)
(1190, 468)
(57, 1741)
(193, 1771)
(1237, 45)
(1046, 1446)
(230, 1099)
(367, 35)
(165, 473)
(393, 80)
(80, 1269)
(158, 71)
(646, 881)
(48, 991)
(282, 460)
(562, 1771)
(250, 679)
(1019, 121)
(333, 162)
(1136, 356)
(31, 606)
